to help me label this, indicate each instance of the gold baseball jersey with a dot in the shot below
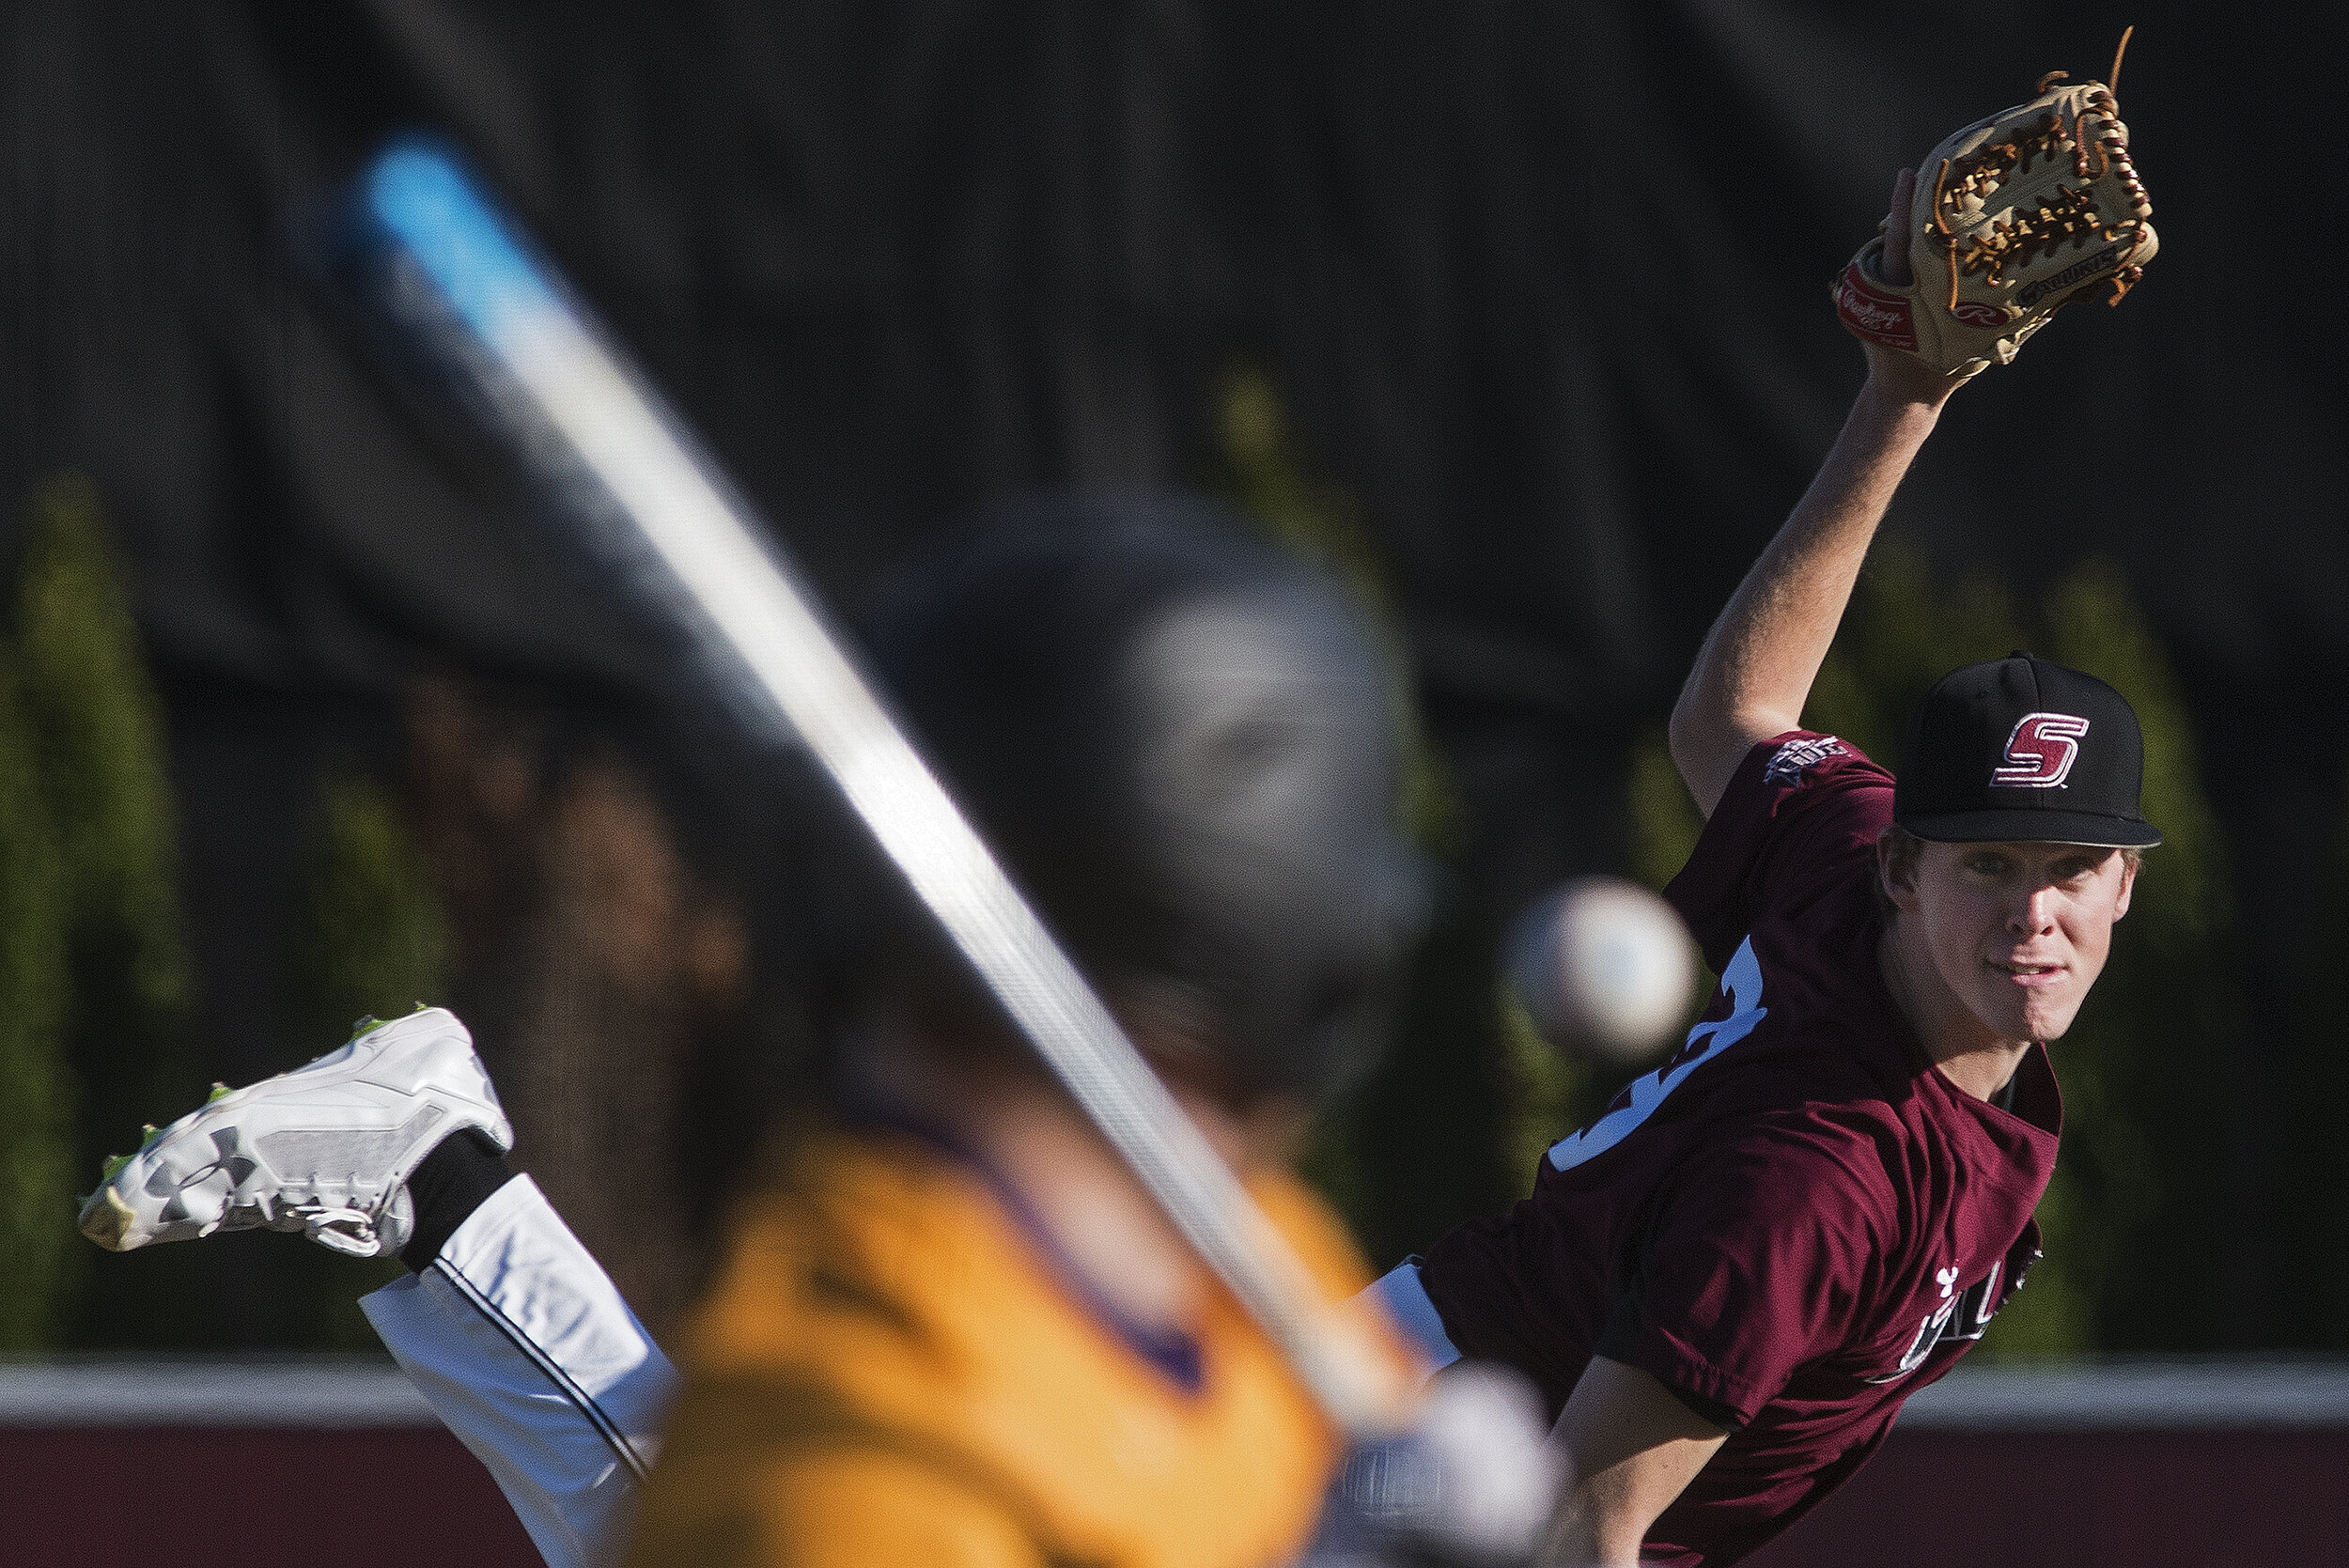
(897, 1368)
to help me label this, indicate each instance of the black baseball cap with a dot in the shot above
(2022, 749)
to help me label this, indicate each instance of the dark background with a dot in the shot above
(1541, 290)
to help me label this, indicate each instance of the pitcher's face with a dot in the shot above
(2018, 932)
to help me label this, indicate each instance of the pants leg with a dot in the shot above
(522, 1346)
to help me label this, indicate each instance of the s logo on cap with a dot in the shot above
(2039, 753)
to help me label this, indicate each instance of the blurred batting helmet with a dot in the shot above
(1183, 744)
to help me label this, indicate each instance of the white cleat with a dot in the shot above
(325, 1149)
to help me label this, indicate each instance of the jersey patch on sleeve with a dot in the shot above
(1790, 762)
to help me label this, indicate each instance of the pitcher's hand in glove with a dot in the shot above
(2008, 220)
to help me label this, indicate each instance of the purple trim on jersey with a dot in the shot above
(1174, 1355)
(1797, 1220)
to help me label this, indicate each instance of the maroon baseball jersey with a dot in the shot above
(1796, 1223)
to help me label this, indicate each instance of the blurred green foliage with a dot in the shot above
(376, 942)
(95, 984)
(36, 1100)
(96, 989)
(1555, 1092)
(96, 719)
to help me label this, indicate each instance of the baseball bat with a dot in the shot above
(422, 246)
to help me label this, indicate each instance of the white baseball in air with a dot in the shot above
(1604, 967)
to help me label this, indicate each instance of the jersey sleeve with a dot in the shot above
(1759, 1258)
(1796, 812)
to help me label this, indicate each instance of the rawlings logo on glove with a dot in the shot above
(1873, 311)
(2014, 217)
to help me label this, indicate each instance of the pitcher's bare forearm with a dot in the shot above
(1754, 671)
(1631, 1447)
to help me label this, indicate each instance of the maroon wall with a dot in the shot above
(395, 1497)
(2078, 1499)
(252, 1497)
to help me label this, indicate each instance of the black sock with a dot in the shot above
(455, 1179)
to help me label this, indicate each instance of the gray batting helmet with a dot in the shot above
(1184, 745)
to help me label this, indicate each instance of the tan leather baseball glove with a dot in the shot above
(2014, 217)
